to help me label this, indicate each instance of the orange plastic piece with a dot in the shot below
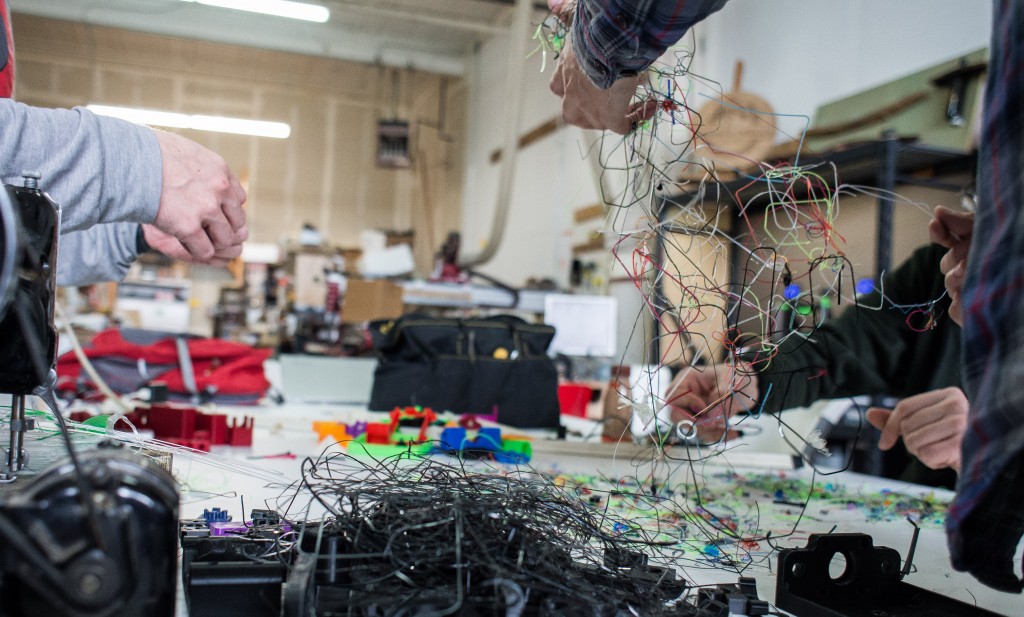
(335, 430)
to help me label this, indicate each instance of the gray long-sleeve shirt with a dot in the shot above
(100, 170)
(100, 253)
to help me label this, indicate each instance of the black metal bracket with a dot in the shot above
(869, 586)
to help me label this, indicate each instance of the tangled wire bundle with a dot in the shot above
(409, 536)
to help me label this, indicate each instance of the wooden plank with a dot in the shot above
(593, 244)
(535, 134)
(588, 213)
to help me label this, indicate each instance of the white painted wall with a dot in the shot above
(799, 54)
(551, 176)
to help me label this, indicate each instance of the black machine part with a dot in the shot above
(869, 586)
(226, 576)
(28, 263)
(120, 560)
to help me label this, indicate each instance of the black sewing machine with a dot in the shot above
(95, 535)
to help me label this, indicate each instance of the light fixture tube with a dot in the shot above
(278, 8)
(219, 124)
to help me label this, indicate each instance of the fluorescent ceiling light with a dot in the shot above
(278, 8)
(219, 124)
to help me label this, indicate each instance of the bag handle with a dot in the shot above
(392, 333)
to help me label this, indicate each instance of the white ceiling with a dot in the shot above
(430, 35)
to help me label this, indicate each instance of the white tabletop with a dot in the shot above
(287, 429)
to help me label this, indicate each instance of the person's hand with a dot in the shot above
(953, 230)
(200, 202)
(709, 396)
(169, 245)
(584, 104)
(563, 9)
(931, 424)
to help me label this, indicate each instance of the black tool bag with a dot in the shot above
(467, 366)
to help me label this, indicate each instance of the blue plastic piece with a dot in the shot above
(452, 439)
(216, 516)
(865, 286)
(487, 439)
(792, 291)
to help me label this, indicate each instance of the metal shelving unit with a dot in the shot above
(884, 164)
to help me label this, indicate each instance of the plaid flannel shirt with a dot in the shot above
(987, 517)
(621, 38)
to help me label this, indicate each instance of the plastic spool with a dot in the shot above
(737, 130)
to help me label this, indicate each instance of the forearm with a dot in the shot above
(618, 38)
(98, 254)
(100, 170)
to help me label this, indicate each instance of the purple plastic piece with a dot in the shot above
(357, 428)
(237, 529)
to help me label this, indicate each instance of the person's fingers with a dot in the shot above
(954, 278)
(936, 446)
(563, 10)
(938, 233)
(932, 426)
(232, 206)
(943, 413)
(712, 426)
(168, 245)
(688, 401)
(557, 83)
(616, 106)
(220, 234)
(200, 201)
(948, 261)
(641, 111)
(954, 282)
(939, 456)
(892, 429)
(878, 417)
(957, 225)
(923, 436)
(228, 253)
(198, 245)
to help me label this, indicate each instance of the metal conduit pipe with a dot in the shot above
(519, 33)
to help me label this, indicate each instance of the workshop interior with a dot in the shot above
(473, 355)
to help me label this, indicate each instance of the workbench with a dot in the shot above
(286, 431)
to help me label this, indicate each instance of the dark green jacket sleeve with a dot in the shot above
(874, 347)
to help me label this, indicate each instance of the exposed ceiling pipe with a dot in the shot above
(419, 17)
(519, 35)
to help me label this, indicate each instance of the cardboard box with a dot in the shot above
(369, 300)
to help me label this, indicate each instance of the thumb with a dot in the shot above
(879, 418)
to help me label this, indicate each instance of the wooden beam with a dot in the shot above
(588, 213)
(535, 134)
